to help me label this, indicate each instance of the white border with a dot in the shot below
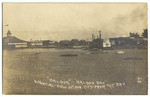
(75, 1)
(56, 1)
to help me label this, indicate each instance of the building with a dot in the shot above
(106, 43)
(83, 43)
(13, 42)
(65, 44)
(93, 37)
(17, 45)
(75, 42)
(122, 42)
(36, 43)
(128, 42)
(47, 42)
(96, 43)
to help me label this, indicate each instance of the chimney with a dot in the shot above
(93, 37)
(100, 34)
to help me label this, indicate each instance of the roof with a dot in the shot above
(12, 39)
(119, 38)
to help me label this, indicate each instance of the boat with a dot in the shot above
(132, 58)
(95, 49)
(37, 53)
(120, 52)
(95, 53)
(68, 55)
(104, 52)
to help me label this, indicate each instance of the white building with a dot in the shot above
(106, 43)
(17, 45)
(37, 43)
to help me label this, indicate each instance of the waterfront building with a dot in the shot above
(97, 43)
(75, 42)
(47, 42)
(36, 43)
(128, 42)
(65, 44)
(13, 42)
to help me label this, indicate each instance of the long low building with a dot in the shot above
(17, 45)
(128, 42)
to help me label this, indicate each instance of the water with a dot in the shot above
(22, 66)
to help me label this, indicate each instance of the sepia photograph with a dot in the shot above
(74, 48)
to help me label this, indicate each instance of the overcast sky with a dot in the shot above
(61, 21)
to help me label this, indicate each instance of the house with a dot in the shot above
(47, 42)
(65, 44)
(75, 42)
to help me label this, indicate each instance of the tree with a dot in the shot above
(135, 35)
(145, 33)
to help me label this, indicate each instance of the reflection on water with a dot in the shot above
(22, 66)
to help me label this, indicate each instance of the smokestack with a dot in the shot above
(100, 34)
(93, 37)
